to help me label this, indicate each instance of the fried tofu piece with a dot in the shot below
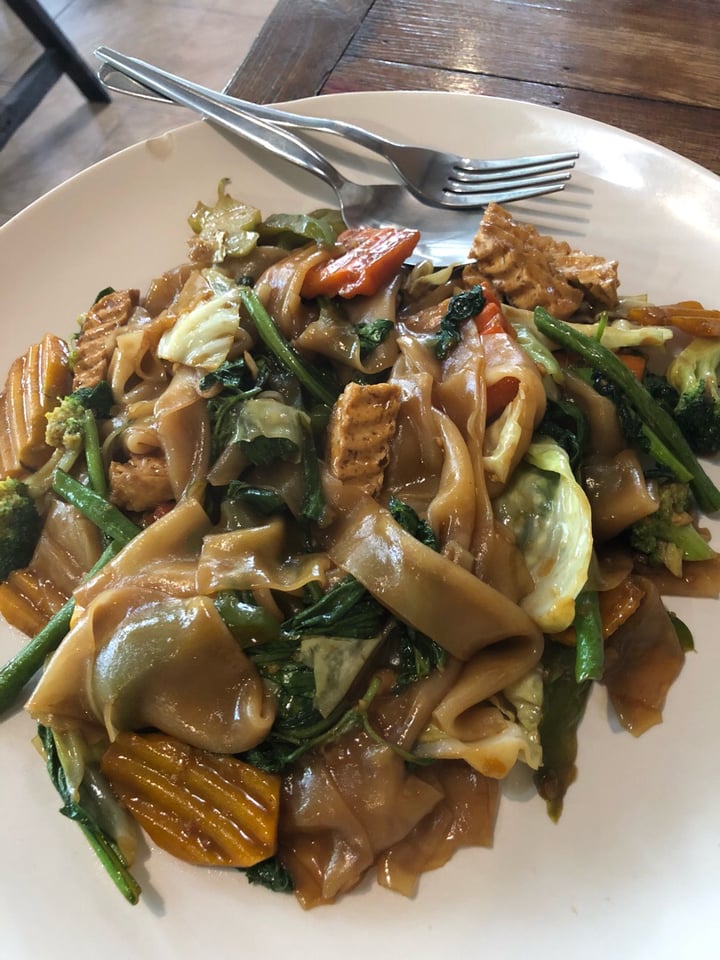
(596, 277)
(362, 426)
(531, 269)
(141, 483)
(97, 338)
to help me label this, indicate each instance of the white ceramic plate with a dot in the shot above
(633, 868)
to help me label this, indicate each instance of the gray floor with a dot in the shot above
(204, 40)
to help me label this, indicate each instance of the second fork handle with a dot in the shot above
(210, 105)
(364, 138)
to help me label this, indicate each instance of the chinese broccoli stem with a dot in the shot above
(22, 667)
(104, 846)
(109, 520)
(564, 702)
(347, 610)
(26, 662)
(313, 502)
(114, 865)
(93, 455)
(651, 413)
(589, 644)
(246, 621)
(660, 453)
(278, 345)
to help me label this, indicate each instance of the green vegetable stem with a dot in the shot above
(589, 644)
(104, 846)
(651, 413)
(109, 520)
(564, 702)
(246, 621)
(310, 379)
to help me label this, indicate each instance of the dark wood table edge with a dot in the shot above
(309, 37)
(314, 40)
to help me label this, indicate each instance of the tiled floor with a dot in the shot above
(204, 40)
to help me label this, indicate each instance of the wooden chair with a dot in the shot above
(60, 57)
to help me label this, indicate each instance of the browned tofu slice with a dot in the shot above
(361, 429)
(141, 483)
(531, 269)
(97, 338)
(596, 277)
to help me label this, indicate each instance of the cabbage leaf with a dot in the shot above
(336, 663)
(267, 429)
(614, 335)
(229, 227)
(202, 337)
(549, 516)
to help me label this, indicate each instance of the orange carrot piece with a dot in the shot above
(635, 363)
(489, 322)
(491, 319)
(696, 325)
(204, 808)
(687, 315)
(499, 395)
(371, 257)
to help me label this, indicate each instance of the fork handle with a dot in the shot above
(341, 128)
(348, 131)
(212, 106)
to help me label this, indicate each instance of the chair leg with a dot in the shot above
(41, 25)
(27, 92)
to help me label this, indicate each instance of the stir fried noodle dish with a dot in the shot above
(311, 547)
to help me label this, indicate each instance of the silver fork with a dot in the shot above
(446, 235)
(436, 177)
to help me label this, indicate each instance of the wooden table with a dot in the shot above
(651, 67)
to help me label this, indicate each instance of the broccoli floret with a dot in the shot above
(20, 525)
(668, 536)
(71, 429)
(67, 422)
(694, 374)
(66, 425)
(635, 395)
(662, 392)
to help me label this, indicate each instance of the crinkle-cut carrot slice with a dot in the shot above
(202, 807)
(33, 386)
(27, 603)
